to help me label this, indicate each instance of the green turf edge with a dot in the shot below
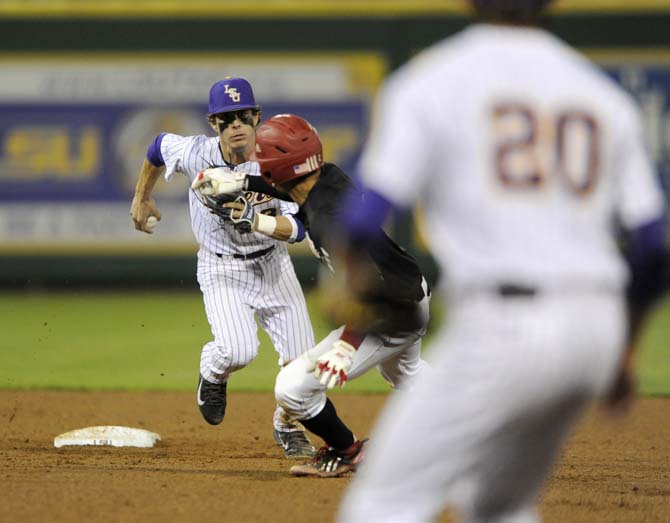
(151, 341)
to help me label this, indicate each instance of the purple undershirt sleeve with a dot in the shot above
(363, 214)
(154, 154)
(301, 230)
(647, 254)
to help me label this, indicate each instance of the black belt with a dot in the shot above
(511, 290)
(251, 255)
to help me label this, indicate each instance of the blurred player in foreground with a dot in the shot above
(528, 159)
(289, 152)
(240, 275)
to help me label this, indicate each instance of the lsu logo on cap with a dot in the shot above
(232, 93)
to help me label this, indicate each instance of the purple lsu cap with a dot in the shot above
(231, 94)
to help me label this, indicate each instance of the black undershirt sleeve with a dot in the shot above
(258, 184)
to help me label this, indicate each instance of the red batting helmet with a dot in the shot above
(287, 147)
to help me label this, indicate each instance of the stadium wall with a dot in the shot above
(84, 88)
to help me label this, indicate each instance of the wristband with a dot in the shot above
(266, 224)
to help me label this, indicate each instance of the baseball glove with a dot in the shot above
(245, 217)
(214, 204)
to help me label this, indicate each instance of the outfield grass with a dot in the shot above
(152, 341)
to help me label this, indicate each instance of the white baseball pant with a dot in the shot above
(234, 292)
(398, 359)
(509, 377)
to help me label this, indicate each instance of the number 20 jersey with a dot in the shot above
(525, 155)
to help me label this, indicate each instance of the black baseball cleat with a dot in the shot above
(295, 443)
(212, 400)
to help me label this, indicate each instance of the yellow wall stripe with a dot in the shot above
(638, 56)
(289, 8)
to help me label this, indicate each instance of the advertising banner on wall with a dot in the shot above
(74, 132)
(646, 76)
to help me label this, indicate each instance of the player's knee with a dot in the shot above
(290, 389)
(242, 357)
(287, 391)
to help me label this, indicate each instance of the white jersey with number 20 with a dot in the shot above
(546, 152)
(526, 156)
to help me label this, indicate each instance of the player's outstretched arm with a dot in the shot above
(219, 181)
(649, 262)
(258, 184)
(142, 206)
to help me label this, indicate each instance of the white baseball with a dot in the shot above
(151, 223)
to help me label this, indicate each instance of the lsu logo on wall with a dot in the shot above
(234, 95)
(61, 152)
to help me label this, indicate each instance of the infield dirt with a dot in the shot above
(612, 471)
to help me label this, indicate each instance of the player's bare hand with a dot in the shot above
(145, 214)
(332, 368)
(217, 181)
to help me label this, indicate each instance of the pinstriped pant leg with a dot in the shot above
(282, 310)
(226, 287)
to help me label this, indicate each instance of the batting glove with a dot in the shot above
(217, 181)
(333, 366)
(244, 217)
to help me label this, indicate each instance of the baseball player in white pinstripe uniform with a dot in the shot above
(241, 275)
(290, 155)
(526, 157)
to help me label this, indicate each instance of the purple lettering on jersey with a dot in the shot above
(363, 214)
(154, 154)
